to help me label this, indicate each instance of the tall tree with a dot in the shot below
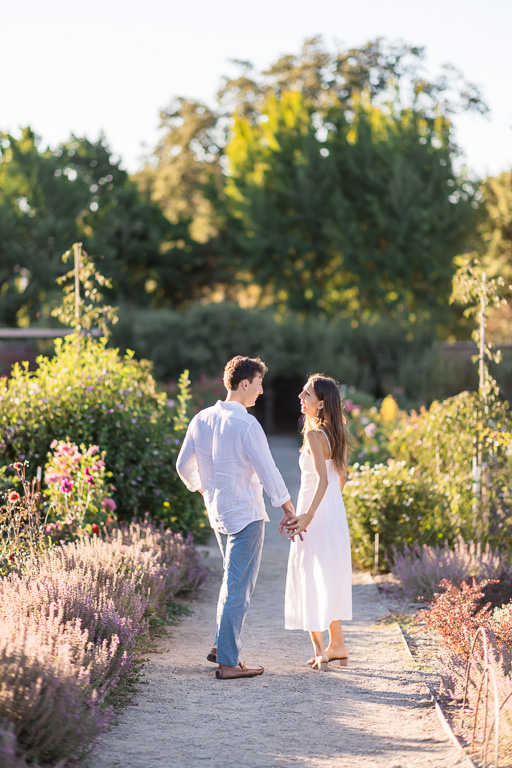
(494, 247)
(52, 198)
(199, 162)
(358, 215)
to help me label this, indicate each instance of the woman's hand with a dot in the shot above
(299, 525)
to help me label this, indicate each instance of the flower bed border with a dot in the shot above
(437, 706)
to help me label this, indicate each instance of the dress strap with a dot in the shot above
(328, 443)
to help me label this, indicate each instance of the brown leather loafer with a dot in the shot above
(212, 656)
(242, 670)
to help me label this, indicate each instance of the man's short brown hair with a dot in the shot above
(240, 368)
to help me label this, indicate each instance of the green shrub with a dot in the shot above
(91, 395)
(398, 503)
(203, 337)
(440, 443)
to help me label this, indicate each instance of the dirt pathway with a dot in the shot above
(373, 714)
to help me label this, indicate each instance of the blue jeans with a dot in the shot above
(241, 554)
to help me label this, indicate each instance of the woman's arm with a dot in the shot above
(316, 448)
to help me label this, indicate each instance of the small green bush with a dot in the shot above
(398, 503)
(440, 443)
(89, 394)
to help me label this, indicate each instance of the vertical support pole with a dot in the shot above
(481, 351)
(376, 555)
(77, 252)
(477, 458)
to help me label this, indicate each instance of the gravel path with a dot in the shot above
(373, 714)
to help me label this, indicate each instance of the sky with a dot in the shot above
(110, 66)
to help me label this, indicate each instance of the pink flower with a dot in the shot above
(18, 466)
(369, 430)
(13, 497)
(66, 486)
(109, 504)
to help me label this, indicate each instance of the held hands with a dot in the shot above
(298, 525)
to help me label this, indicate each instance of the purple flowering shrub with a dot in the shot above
(420, 568)
(70, 621)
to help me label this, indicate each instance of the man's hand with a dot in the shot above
(288, 515)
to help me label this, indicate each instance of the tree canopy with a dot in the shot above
(51, 198)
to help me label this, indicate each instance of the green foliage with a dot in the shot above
(441, 444)
(496, 228)
(358, 214)
(75, 192)
(472, 288)
(399, 503)
(82, 304)
(94, 396)
(334, 192)
(375, 357)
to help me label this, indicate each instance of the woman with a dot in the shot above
(319, 578)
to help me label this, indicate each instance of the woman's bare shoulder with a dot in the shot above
(316, 437)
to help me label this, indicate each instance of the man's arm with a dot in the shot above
(186, 463)
(258, 451)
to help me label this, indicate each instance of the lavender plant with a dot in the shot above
(70, 621)
(420, 568)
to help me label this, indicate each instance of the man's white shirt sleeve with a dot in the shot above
(258, 451)
(186, 463)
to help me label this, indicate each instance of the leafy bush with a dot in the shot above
(92, 396)
(397, 502)
(420, 569)
(441, 442)
(69, 624)
(374, 357)
(455, 613)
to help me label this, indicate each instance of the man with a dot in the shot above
(226, 457)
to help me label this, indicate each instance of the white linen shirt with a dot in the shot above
(226, 454)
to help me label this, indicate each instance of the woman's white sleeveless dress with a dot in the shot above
(319, 578)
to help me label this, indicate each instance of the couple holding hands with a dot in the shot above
(226, 457)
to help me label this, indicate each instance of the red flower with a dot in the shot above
(95, 528)
(13, 497)
(18, 466)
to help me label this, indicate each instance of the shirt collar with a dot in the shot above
(232, 405)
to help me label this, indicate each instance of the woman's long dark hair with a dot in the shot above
(330, 418)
